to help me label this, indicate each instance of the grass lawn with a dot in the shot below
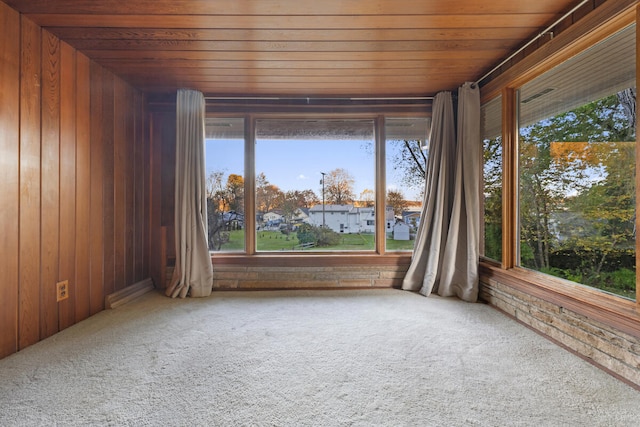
(276, 241)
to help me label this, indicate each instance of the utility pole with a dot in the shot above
(323, 221)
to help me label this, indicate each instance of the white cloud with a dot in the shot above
(302, 177)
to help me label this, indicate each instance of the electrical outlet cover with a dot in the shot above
(62, 290)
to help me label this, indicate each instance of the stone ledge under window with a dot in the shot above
(611, 310)
(311, 259)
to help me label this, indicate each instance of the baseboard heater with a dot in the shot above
(128, 294)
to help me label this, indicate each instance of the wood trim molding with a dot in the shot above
(637, 162)
(381, 184)
(509, 179)
(249, 183)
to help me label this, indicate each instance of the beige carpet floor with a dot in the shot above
(306, 358)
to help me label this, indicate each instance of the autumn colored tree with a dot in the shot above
(267, 194)
(216, 205)
(305, 198)
(367, 198)
(338, 187)
(608, 208)
(235, 192)
(288, 203)
(296, 199)
(397, 201)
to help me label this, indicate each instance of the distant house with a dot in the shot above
(272, 220)
(348, 218)
(412, 218)
(272, 216)
(401, 231)
(233, 220)
(301, 215)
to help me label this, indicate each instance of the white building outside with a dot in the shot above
(401, 231)
(348, 218)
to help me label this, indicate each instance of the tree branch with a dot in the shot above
(415, 158)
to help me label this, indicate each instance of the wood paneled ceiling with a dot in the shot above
(297, 48)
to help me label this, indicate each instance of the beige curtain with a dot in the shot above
(193, 274)
(445, 257)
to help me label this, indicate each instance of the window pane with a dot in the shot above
(313, 181)
(577, 168)
(491, 131)
(224, 151)
(406, 161)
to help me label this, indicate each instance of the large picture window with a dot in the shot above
(315, 184)
(577, 167)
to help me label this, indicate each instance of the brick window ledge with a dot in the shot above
(613, 311)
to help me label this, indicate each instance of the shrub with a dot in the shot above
(328, 237)
(305, 234)
(319, 236)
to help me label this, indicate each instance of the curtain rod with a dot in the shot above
(272, 98)
(545, 31)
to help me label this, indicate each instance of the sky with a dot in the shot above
(297, 164)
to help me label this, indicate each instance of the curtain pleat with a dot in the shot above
(460, 266)
(424, 271)
(445, 256)
(193, 273)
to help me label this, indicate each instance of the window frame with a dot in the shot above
(611, 310)
(376, 112)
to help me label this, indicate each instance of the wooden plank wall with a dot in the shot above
(9, 177)
(163, 145)
(74, 168)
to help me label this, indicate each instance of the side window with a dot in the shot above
(224, 152)
(577, 133)
(406, 150)
(491, 132)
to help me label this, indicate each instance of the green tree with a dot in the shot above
(608, 208)
(541, 192)
(577, 204)
(492, 165)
